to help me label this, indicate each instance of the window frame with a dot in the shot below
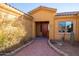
(65, 29)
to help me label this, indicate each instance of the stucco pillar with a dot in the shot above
(51, 30)
(33, 29)
(77, 28)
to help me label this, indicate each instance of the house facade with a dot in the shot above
(56, 26)
(46, 22)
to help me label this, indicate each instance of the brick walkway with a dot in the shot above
(39, 47)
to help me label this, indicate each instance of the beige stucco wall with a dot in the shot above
(44, 15)
(58, 35)
(27, 23)
(15, 27)
(7, 12)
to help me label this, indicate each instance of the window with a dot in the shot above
(65, 26)
(62, 26)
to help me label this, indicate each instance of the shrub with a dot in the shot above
(11, 33)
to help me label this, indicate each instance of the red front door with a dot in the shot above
(45, 29)
(42, 29)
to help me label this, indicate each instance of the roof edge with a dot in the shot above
(67, 13)
(8, 6)
(35, 9)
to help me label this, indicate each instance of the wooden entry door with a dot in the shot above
(42, 29)
(45, 29)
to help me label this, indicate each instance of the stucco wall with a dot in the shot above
(14, 26)
(27, 23)
(7, 12)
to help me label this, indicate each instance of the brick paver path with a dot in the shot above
(39, 47)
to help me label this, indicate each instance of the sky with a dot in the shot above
(61, 7)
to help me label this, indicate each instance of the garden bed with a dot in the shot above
(15, 48)
(67, 47)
